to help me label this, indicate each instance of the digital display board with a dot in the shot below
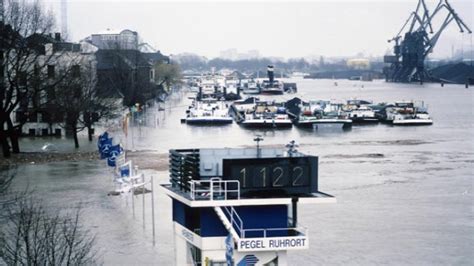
(286, 175)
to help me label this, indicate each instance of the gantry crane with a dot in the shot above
(408, 62)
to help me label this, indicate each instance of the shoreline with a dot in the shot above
(143, 159)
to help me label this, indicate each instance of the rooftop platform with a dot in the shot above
(220, 198)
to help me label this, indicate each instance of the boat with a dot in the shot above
(266, 115)
(240, 206)
(251, 87)
(271, 86)
(362, 114)
(419, 116)
(406, 113)
(232, 85)
(239, 108)
(208, 111)
(321, 114)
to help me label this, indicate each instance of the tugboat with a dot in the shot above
(267, 115)
(208, 111)
(271, 86)
(240, 206)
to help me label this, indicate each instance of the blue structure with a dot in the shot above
(239, 206)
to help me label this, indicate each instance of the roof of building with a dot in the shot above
(109, 59)
(114, 32)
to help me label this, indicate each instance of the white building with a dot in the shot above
(112, 39)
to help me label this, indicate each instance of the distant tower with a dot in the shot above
(64, 19)
(1, 11)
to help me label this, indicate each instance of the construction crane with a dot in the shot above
(408, 62)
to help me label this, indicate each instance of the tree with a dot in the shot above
(79, 100)
(22, 61)
(33, 236)
(166, 74)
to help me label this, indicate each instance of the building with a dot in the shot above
(112, 39)
(39, 116)
(125, 65)
(240, 206)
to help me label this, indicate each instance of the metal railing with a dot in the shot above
(234, 219)
(214, 189)
(273, 232)
(238, 225)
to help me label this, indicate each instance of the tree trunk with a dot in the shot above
(14, 135)
(76, 140)
(89, 132)
(4, 142)
(14, 138)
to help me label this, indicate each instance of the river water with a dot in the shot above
(405, 194)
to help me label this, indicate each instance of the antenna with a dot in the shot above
(257, 139)
(292, 148)
(63, 18)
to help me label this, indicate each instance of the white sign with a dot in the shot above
(272, 243)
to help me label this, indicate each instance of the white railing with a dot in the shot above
(238, 225)
(234, 219)
(267, 232)
(214, 189)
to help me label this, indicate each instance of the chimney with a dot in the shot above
(270, 74)
(57, 36)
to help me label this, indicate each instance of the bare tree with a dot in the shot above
(24, 58)
(79, 99)
(7, 174)
(33, 236)
(165, 75)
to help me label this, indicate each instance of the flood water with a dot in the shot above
(405, 194)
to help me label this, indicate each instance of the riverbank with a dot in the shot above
(143, 159)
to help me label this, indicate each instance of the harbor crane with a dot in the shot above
(410, 51)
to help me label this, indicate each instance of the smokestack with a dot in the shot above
(271, 75)
(57, 36)
(64, 18)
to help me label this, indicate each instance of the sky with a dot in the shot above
(274, 28)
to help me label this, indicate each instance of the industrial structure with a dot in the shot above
(240, 206)
(410, 51)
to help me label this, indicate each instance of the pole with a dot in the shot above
(153, 209)
(133, 200)
(143, 199)
(132, 128)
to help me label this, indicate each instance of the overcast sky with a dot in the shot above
(282, 29)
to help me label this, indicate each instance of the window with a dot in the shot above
(76, 71)
(51, 72)
(152, 75)
(22, 78)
